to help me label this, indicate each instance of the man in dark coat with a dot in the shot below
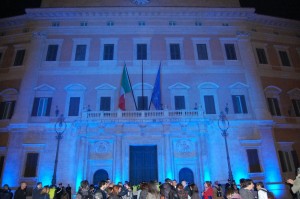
(36, 193)
(21, 191)
(6, 193)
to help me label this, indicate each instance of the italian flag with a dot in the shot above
(125, 88)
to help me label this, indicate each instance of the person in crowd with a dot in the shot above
(52, 191)
(295, 184)
(182, 194)
(84, 192)
(144, 191)
(208, 191)
(58, 191)
(231, 193)
(186, 187)
(115, 192)
(64, 194)
(167, 190)
(21, 192)
(195, 192)
(37, 191)
(69, 191)
(102, 190)
(128, 191)
(153, 192)
(5, 192)
(174, 183)
(44, 194)
(246, 191)
(217, 189)
(261, 191)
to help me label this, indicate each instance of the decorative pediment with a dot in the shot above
(273, 90)
(44, 87)
(75, 87)
(139, 86)
(208, 85)
(238, 85)
(179, 86)
(105, 87)
(294, 93)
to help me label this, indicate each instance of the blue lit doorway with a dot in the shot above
(187, 175)
(142, 164)
(99, 175)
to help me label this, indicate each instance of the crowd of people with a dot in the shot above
(170, 189)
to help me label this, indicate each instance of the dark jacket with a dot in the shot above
(36, 193)
(6, 194)
(20, 194)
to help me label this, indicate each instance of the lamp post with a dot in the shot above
(223, 124)
(60, 127)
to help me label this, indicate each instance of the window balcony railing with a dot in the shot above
(143, 115)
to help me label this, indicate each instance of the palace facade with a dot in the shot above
(60, 77)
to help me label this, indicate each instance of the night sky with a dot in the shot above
(280, 8)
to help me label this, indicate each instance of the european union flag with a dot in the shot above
(156, 94)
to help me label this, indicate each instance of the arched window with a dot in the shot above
(100, 175)
(186, 174)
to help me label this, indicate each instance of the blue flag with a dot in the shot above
(156, 94)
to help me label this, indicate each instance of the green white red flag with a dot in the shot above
(125, 88)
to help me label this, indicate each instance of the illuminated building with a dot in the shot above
(67, 58)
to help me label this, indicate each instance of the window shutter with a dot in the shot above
(296, 107)
(35, 106)
(80, 53)
(52, 53)
(244, 106)
(254, 164)
(105, 104)
(282, 161)
(11, 109)
(235, 103)
(202, 52)
(31, 165)
(179, 103)
(209, 104)
(49, 101)
(74, 106)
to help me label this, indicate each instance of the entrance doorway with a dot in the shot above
(143, 164)
(186, 174)
(100, 175)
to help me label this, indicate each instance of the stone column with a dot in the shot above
(82, 146)
(256, 94)
(167, 151)
(118, 159)
(34, 57)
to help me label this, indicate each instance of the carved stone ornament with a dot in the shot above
(102, 147)
(184, 146)
(141, 2)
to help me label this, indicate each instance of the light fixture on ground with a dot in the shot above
(60, 127)
(223, 124)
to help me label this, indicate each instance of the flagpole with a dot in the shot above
(143, 103)
(131, 87)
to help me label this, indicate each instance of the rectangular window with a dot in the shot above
(285, 161)
(108, 53)
(2, 158)
(41, 106)
(52, 52)
(7, 109)
(202, 52)
(296, 106)
(105, 103)
(142, 103)
(274, 106)
(175, 51)
(209, 102)
(74, 106)
(261, 54)
(284, 58)
(253, 160)
(1, 54)
(179, 102)
(31, 165)
(141, 52)
(239, 104)
(230, 52)
(80, 52)
(19, 58)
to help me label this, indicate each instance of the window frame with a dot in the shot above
(273, 92)
(108, 63)
(105, 90)
(258, 158)
(18, 48)
(76, 43)
(174, 40)
(285, 49)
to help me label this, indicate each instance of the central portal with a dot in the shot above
(142, 164)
